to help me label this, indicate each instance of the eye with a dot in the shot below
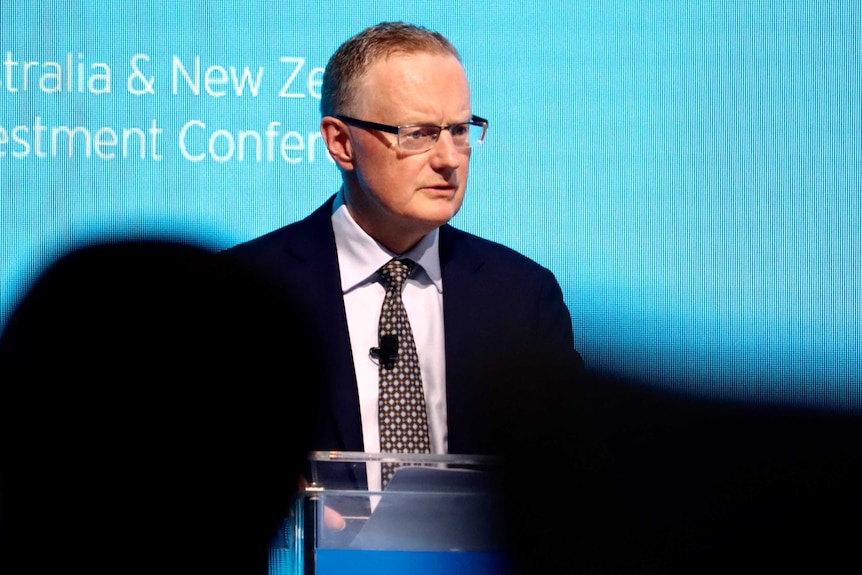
(413, 133)
(419, 132)
(459, 130)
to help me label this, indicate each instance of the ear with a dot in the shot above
(337, 139)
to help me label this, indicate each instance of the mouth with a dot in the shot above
(443, 189)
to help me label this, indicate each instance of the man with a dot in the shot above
(398, 122)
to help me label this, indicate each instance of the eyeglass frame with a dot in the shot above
(389, 129)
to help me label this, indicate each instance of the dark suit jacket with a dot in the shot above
(500, 309)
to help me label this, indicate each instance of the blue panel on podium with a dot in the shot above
(438, 514)
(362, 562)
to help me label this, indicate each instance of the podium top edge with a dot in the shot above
(361, 456)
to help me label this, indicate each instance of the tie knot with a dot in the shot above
(396, 271)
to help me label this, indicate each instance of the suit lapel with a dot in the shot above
(311, 265)
(462, 295)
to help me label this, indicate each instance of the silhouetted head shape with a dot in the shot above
(152, 413)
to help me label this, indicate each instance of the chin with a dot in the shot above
(439, 215)
(448, 205)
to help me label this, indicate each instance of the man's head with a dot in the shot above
(395, 75)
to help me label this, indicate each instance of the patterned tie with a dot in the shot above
(402, 415)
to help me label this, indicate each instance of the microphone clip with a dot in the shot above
(387, 352)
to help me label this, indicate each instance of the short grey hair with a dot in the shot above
(352, 59)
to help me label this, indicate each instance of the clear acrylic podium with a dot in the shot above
(438, 514)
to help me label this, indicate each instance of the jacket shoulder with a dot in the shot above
(313, 229)
(487, 252)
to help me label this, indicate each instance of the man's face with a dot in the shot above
(398, 196)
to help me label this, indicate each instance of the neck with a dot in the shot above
(398, 239)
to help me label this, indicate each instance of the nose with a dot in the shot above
(445, 154)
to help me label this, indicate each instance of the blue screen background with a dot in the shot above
(690, 171)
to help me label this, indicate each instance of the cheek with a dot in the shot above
(459, 199)
(381, 178)
(463, 173)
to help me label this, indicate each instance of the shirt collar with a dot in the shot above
(360, 255)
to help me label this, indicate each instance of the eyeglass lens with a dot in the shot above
(423, 137)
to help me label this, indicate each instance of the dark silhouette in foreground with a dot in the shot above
(152, 414)
(616, 476)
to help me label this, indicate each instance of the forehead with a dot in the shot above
(415, 85)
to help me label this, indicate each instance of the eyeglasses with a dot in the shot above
(421, 137)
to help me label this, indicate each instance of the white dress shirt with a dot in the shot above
(359, 258)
